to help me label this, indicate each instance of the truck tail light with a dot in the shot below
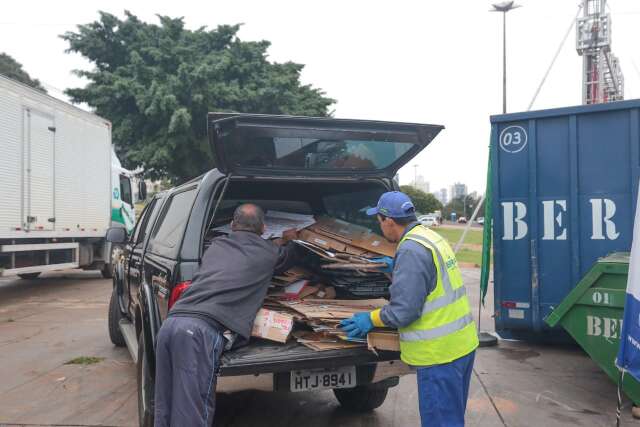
(177, 291)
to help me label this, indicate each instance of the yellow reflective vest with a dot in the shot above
(445, 331)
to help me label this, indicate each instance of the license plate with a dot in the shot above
(323, 379)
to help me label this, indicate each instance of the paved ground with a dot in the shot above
(47, 322)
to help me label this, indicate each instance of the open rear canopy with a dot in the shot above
(250, 144)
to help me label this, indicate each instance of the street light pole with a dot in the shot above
(504, 7)
(504, 62)
(464, 205)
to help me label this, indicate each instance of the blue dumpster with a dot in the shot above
(565, 183)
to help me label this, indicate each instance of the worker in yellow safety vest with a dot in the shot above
(430, 309)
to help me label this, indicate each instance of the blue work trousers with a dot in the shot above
(443, 391)
(187, 357)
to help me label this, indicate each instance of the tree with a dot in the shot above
(458, 207)
(424, 202)
(11, 68)
(156, 84)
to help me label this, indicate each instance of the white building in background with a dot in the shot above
(458, 190)
(420, 184)
(442, 196)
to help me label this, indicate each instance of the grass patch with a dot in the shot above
(471, 255)
(85, 360)
(467, 255)
(474, 236)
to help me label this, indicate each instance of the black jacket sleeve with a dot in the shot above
(288, 256)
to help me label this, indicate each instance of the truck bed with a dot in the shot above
(261, 356)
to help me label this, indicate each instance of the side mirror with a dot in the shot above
(116, 235)
(142, 190)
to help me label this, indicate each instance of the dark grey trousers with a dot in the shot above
(187, 357)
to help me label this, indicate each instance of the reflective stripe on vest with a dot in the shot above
(444, 300)
(438, 332)
(450, 295)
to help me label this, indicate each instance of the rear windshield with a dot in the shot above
(250, 149)
(352, 207)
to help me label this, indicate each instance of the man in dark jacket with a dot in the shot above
(225, 295)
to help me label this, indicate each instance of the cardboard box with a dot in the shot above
(353, 235)
(375, 243)
(323, 241)
(383, 340)
(272, 325)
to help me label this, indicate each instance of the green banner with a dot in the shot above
(487, 231)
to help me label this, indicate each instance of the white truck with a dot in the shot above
(61, 185)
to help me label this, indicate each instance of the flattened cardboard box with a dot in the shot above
(272, 325)
(329, 243)
(353, 235)
(383, 340)
(375, 243)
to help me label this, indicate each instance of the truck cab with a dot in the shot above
(62, 187)
(306, 165)
(123, 195)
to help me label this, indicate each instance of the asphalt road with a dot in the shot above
(48, 322)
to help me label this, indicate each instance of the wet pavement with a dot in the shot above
(48, 322)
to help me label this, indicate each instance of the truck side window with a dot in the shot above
(167, 234)
(125, 190)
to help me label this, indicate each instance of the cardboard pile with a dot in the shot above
(343, 254)
(320, 319)
(339, 261)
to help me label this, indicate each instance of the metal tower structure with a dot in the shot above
(601, 74)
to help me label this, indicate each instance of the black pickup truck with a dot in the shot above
(296, 164)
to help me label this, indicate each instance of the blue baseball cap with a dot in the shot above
(394, 204)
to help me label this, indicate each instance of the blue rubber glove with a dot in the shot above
(386, 260)
(357, 326)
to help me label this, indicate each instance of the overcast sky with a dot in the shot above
(422, 61)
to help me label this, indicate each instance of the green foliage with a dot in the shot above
(424, 202)
(462, 206)
(11, 68)
(156, 84)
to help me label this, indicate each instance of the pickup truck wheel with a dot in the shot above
(29, 276)
(115, 334)
(361, 398)
(146, 386)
